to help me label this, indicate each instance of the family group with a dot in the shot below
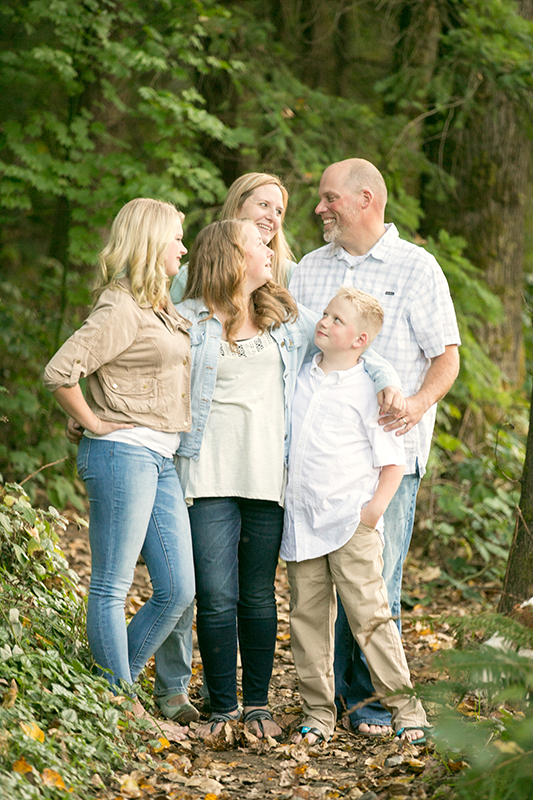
(242, 408)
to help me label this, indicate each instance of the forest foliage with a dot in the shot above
(105, 100)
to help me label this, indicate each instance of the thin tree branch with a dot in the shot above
(52, 464)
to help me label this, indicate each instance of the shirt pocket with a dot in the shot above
(337, 424)
(131, 393)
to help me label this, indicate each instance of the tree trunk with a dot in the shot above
(518, 581)
(489, 160)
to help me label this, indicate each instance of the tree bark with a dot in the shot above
(518, 581)
(489, 160)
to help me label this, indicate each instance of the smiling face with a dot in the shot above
(257, 257)
(265, 208)
(339, 207)
(340, 328)
(176, 250)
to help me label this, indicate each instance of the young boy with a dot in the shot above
(343, 472)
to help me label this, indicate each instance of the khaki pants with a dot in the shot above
(355, 569)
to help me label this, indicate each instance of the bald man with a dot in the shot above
(419, 337)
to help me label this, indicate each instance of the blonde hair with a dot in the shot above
(239, 191)
(138, 243)
(217, 274)
(367, 307)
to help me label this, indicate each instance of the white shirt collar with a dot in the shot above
(336, 375)
(379, 250)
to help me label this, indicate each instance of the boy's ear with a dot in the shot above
(361, 341)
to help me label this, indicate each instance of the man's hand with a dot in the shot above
(438, 380)
(74, 431)
(412, 414)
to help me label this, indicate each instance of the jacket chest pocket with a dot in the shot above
(197, 336)
(128, 392)
(291, 341)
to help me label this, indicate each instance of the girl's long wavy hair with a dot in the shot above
(239, 191)
(217, 274)
(138, 243)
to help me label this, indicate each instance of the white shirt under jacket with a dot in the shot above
(337, 451)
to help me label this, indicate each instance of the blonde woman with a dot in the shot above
(263, 199)
(248, 342)
(134, 350)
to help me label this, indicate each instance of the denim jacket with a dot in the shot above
(295, 342)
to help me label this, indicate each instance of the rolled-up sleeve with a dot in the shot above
(106, 333)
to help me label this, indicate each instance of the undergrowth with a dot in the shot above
(483, 712)
(61, 730)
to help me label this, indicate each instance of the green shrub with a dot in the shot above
(59, 726)
(484, 715)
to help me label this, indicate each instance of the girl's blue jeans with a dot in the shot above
(236, 544)
(136, 507)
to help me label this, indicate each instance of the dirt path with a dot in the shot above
(244, 767)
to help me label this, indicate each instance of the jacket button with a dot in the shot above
(183, 394)
(115, 386)
(283, 344)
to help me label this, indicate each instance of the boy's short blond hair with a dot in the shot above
(368, 308)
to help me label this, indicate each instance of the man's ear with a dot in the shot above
(367, 197)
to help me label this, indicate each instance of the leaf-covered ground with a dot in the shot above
(237, 765)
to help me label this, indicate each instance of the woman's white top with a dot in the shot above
(165, 444)
(242, 448)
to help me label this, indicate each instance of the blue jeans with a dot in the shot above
(174, 658)
(136, 507)
(236, 543)
(352, 678)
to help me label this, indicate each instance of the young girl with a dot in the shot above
(249, 340)
(134, 350)
(261, 198)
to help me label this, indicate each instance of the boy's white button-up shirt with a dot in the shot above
(419, 315)
(337, 451)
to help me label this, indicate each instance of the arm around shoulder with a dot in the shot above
(387, 382)
(437, 383)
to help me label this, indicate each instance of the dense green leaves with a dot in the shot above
(104, 100)
(56, 715)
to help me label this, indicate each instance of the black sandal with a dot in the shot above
(258, 715)
(221, 716)
(305, 729)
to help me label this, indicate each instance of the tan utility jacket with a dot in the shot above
(137, 362)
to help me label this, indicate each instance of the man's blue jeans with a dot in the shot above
(352, 679)
(136, 507)
(236, 544)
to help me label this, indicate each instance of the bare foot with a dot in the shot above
(412, 735)
(269, 727)
(210, 728)
(172, 732)
(374, 730)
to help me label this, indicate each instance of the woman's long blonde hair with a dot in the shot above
(217, 274)
(137, 247)
(239, 191)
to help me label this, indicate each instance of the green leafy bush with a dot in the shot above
(59, 726)
(484, 715)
